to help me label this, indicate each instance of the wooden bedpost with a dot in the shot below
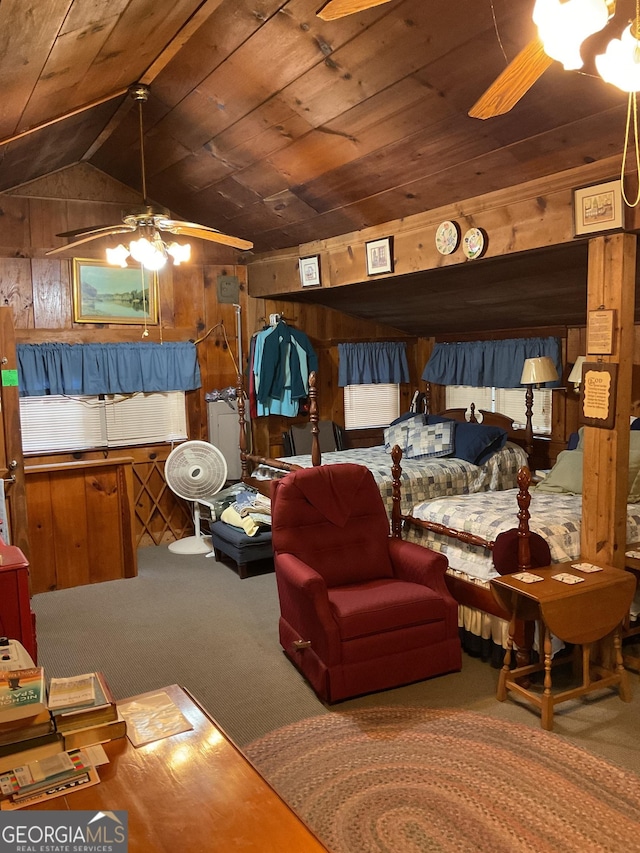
(524, 499)
(242, 436)
(313, 418)
(396, 509)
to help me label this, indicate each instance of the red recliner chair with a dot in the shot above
(360, 610)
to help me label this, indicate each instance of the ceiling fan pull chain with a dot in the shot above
(632, 108)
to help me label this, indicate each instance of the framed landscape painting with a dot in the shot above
(107, 294)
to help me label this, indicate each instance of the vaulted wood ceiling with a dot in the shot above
(269, 124)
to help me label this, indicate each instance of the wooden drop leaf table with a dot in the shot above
(582, 614)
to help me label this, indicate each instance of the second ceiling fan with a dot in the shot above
(563, 28)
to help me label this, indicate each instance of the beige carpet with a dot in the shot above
(410, 780)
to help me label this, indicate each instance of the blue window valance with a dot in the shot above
(372, 363)
(78, 369)
(486, 364)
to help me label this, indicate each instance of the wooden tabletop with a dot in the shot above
(576, 613)
(194, 791)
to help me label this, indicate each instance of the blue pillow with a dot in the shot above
(476, 443)
(435, 419)
(635, 423)
(408, 416)
(573, 441)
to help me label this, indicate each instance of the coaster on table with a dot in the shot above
(527, 577)
(565, 577)
(586, 567)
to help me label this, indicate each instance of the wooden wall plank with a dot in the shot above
(42, 560)
(102, 502)
(71, 530)
(612, 265)
(52, 302)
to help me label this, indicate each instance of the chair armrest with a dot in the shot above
(304, 604)
(412, 562)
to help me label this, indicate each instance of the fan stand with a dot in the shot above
(197, 544)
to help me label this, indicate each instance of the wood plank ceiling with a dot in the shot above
(269, 124)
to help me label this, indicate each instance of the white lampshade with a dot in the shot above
(563, 26)
(576, 371)
(620, 63)
(538, 370)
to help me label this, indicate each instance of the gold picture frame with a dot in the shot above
(114, 295)
(598, 208)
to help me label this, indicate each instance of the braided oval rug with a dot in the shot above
(409, 780)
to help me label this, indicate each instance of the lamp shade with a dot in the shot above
(620, 63)
(564, 24)
(538, 370)
(576, 371)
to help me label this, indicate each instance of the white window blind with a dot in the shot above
(60, 423)
(507, 401)
(511, 401)
(370, 405)
(81, 423)
(145, 418)
(461, 397)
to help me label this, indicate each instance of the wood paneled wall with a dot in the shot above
(39, 290)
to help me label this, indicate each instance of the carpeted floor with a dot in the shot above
(415, 780)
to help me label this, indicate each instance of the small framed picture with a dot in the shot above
(598, 208)
(379, 256)
(310, 271)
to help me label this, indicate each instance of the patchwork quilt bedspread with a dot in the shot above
(424, 479)
(556, 517)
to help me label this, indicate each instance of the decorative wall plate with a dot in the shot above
(473, 243)
(447, 237)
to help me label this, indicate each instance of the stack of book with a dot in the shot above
(27, 730)
(42, 780)
(84, 710)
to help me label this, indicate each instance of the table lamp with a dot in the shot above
(535, 371)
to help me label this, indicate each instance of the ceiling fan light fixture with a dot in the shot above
(620, 63)
(148, 253)
(117, 256)
(181, 253)
(564, 24)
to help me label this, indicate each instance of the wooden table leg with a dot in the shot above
(501, 695)
(624, 688)
(546, 720)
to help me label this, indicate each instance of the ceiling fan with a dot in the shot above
(149, 221)
(334, 9)
(531, 63)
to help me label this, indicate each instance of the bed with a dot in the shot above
(422, 478)
(465, 529)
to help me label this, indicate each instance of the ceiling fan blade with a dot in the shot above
(102, 232)
(192, 229)
(514, 82)
(81, 232)
(334, 9)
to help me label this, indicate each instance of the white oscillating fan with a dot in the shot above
(195, 471)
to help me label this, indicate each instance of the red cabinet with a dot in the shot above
(16, 618)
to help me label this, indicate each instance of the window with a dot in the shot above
(507, 401)
(367, 406)
(55, 423)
